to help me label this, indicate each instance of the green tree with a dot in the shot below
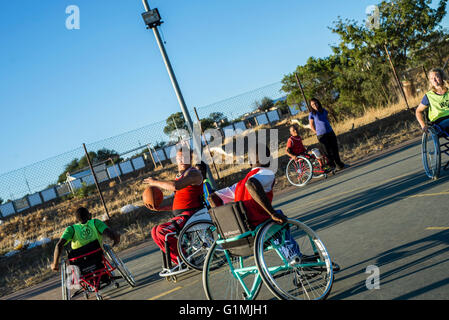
(175, 121)
(263, 105)
(215, 117)
(358, 73)
(282, 105)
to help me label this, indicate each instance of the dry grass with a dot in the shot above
(357, 139)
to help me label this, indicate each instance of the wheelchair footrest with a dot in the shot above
(174, 271)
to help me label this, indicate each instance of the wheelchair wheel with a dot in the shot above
(431, 155)
(119, 265)
(194, 241)
(66, 292)
(289, 273)
(299, 171)
(224, 276)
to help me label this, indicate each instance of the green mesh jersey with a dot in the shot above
(81, 234)
(439, 105)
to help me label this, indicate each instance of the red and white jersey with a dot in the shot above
(238, 192)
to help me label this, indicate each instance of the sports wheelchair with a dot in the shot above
(194, 240)
(290, 259)
(432, 149)
(90, 269)
(306, 166)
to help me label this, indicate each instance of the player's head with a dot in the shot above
(316, 105)
(437, 78)
(294, 131)
(183, 157)
(83, 215)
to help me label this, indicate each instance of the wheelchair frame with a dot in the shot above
(260, 270)
(317, 171)
(170, 272)
(92, 281)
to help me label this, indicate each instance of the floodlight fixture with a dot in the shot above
(152, 18)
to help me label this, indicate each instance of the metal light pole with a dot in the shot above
(181, 101)
(153, 20)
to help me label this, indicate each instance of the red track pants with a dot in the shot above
(159, 232)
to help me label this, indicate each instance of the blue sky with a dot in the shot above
(60, 88)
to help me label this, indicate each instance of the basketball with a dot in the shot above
(152, 197)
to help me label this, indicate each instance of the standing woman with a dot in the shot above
(320, 125)
(436, 101)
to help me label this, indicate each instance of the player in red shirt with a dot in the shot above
(255, 191)
(188, 188)
(295, 146)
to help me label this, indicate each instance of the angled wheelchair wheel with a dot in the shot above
(65, 286)
(194, 242)
(119, 265)
(227, 277)
(293, 261)
(431, 155)
(299, 171)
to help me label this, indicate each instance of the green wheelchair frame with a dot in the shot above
(271, 237)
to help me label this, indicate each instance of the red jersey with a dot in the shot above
(188, 197)
(256, 214)
(295, 145)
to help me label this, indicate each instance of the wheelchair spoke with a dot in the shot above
(295, 264)
(299, 171)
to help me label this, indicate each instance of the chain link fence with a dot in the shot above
(129, 154)
(147, 148)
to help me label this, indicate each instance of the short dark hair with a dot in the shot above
(82, 214)
(295, 126)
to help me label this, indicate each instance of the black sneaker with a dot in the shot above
(339, 168)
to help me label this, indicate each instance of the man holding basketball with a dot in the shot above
(188, 189)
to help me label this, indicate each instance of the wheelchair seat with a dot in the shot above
(88, 258)
(231, 222)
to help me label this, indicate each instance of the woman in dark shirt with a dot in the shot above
(319, 124)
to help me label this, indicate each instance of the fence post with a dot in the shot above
(96, 181)
(425, 72)
(158, 159)
(151, 155)
(302, 91)
(396, 76)
(207, 145)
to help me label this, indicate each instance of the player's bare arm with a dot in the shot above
(192, 177)
(258, 194)
(420, 116)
